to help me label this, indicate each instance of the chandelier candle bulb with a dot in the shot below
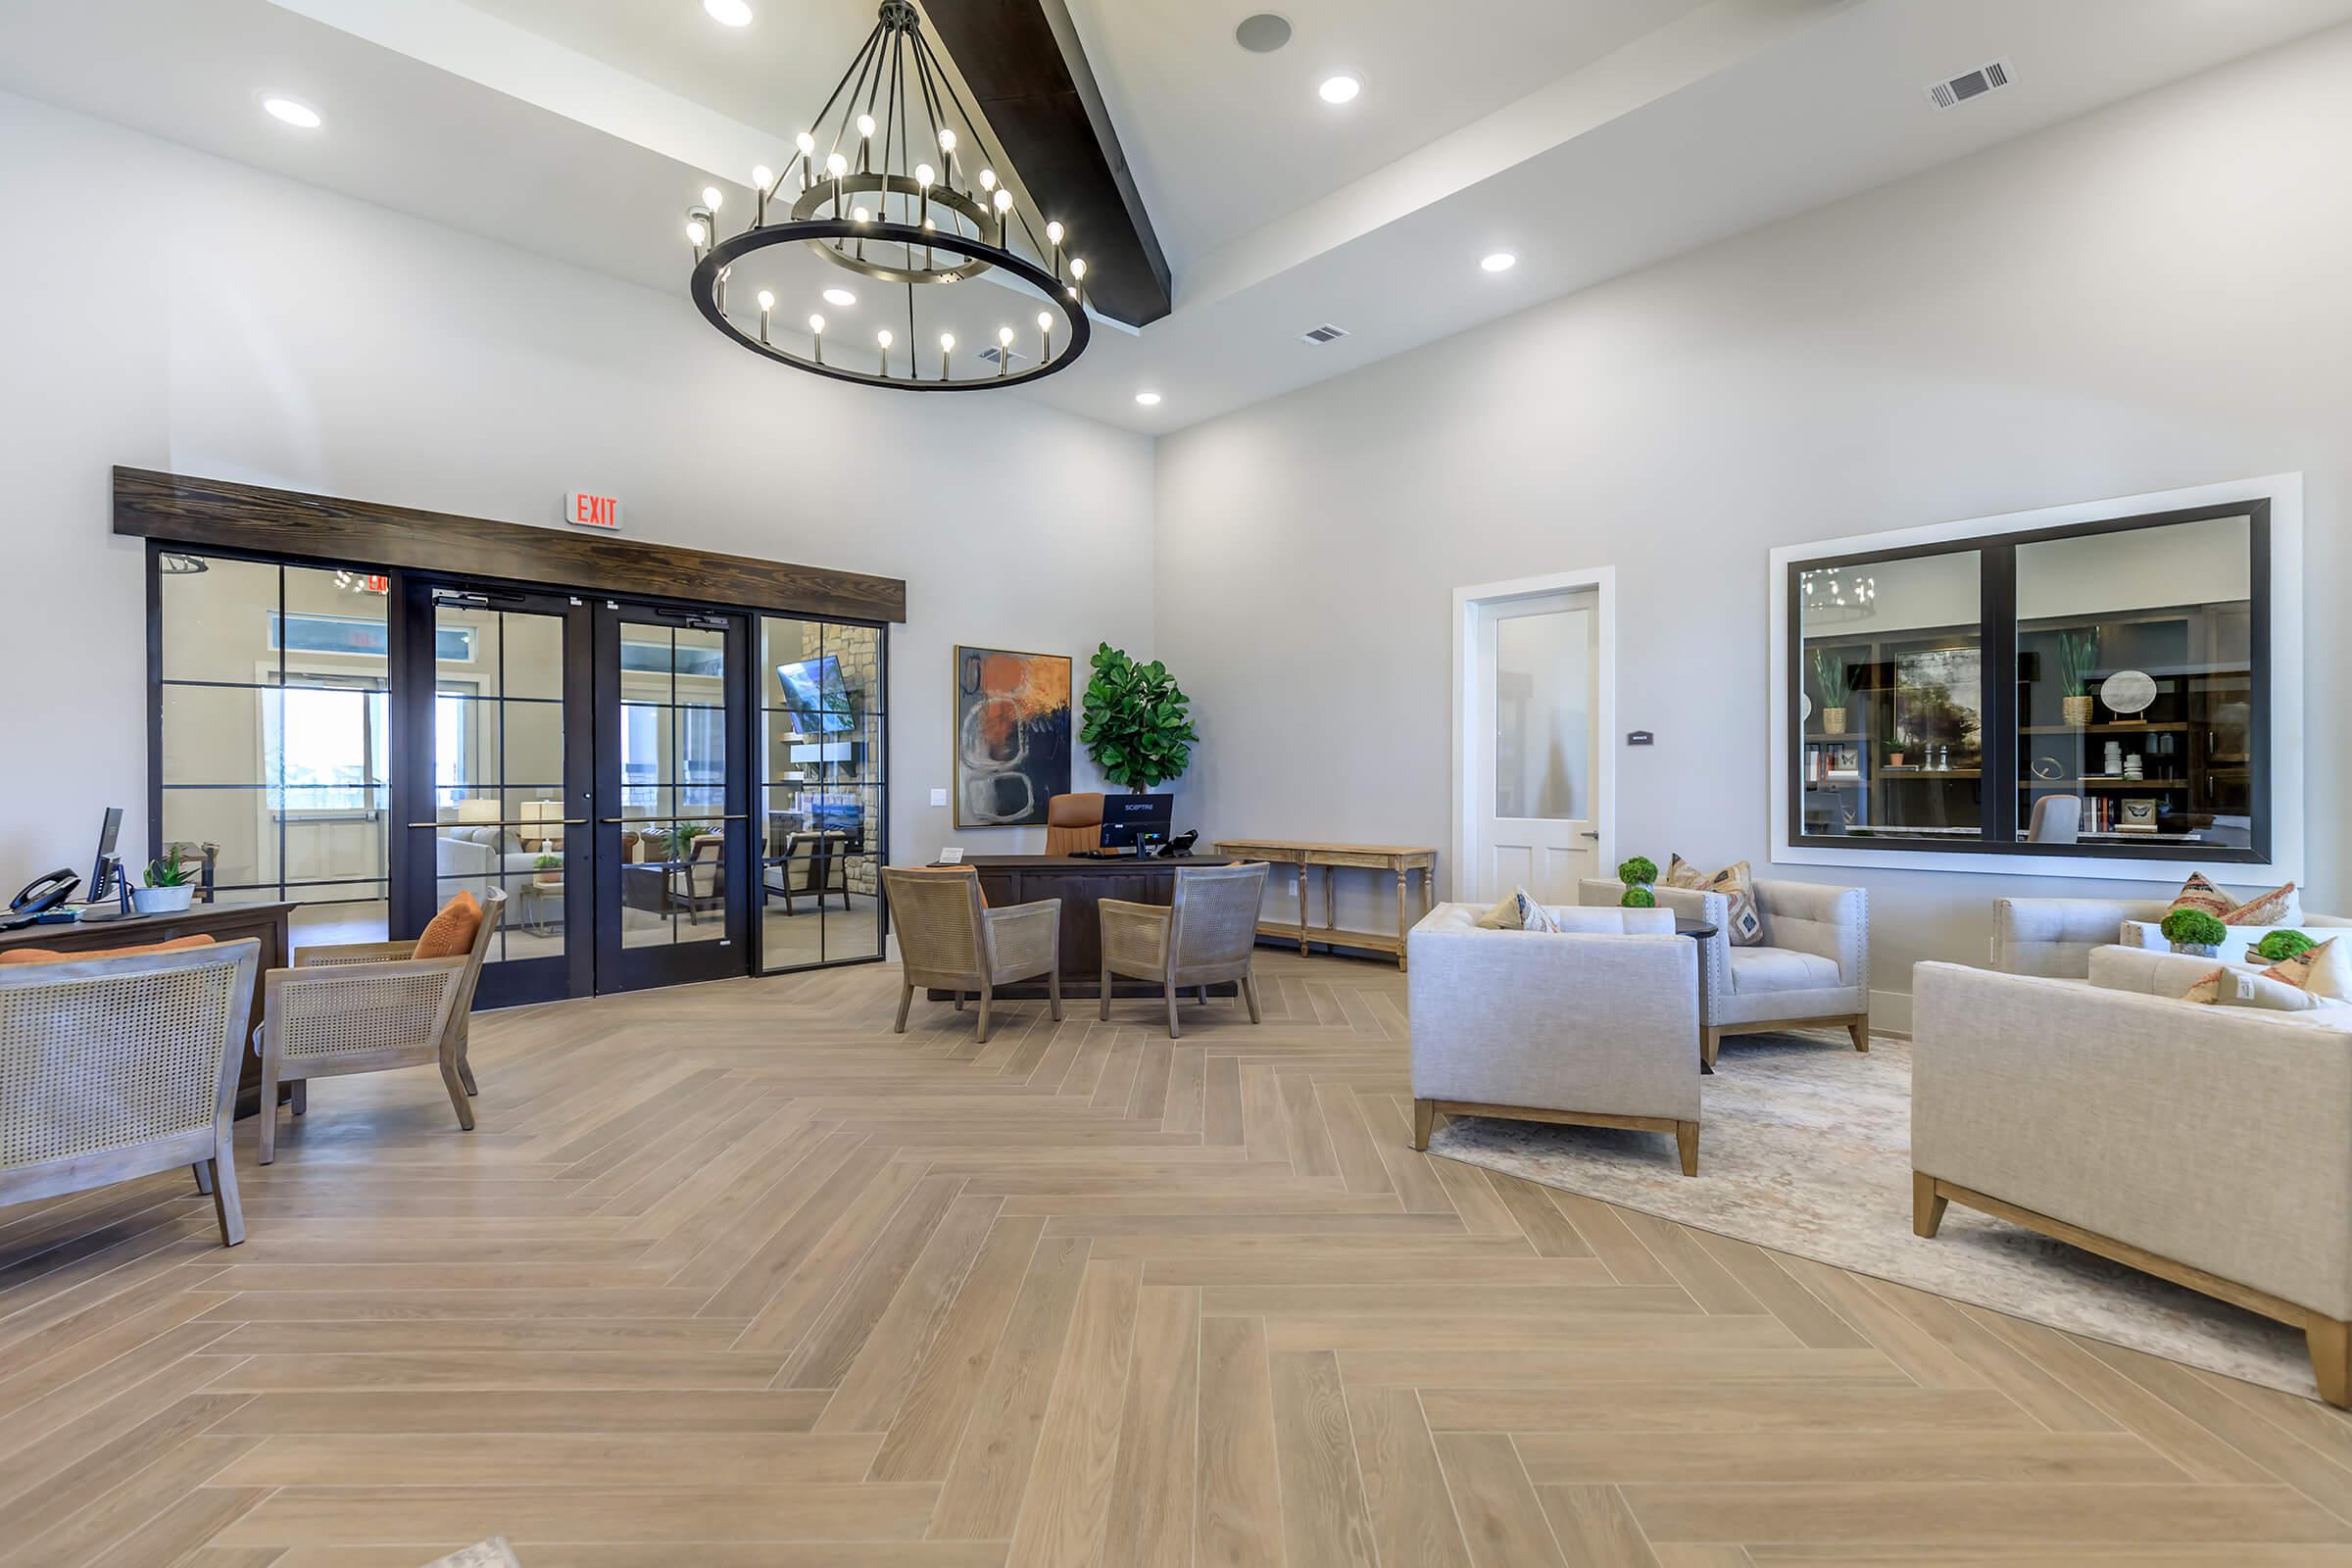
(947, 346)
(808, 150)
(1004, 349)
(1053, 233)
(1045, 336)
(817, 335)
(882, 341)
(767, 303)
(763, 184)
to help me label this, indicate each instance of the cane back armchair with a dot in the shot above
(123, 1066)
(369, 1006)
(949, 940)
(1207, 936)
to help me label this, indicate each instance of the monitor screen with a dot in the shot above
(101, 881)
(815, 696)
(1126, 815)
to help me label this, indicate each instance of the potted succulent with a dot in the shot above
(1829, 675)
(1139, 723)
(2078, 657)
(170, 886)
(1638, 874)
(549, 868)
(2194, 932)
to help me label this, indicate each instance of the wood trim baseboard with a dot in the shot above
(294, 525)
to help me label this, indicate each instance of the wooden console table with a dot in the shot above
(1398, 860)
(266, 923)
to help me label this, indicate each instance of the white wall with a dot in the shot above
(2151, 297)
(167, 310)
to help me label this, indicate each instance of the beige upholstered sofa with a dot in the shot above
(2056, 936)
(2209, 1144)
(1597, 1026)
(1812, 968)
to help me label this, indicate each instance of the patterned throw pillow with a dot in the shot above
(1518, 911)
(1745, 927)
(2267, 909)
(2264, 909)
(2198, 892)
(1682, 874)
(2292, 984)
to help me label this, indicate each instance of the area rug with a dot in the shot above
(1805, 1148)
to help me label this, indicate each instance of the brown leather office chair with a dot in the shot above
(1073, 822)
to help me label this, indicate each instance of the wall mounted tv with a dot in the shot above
(815, 696)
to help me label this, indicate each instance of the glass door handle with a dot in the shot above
(568, 821)
(625, 821)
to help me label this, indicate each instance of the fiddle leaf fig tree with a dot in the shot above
(1139, 726)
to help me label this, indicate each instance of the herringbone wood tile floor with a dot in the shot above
(733, 1276)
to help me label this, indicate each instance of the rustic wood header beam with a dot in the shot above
(222, 514)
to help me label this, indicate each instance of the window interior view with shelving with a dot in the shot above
(2109, 703)
(822, 780)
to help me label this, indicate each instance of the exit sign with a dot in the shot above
(584, 510)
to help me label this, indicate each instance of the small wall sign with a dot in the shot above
(1641, 737)
(584, 510)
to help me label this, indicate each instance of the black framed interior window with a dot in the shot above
(2099, 691)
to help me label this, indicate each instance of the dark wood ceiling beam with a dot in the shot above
(1024, 65)
(290, 523)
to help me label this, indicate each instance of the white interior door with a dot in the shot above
(1534, 809)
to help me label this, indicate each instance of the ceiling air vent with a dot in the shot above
(1326, 334)
(993, 355)
(1970, 85)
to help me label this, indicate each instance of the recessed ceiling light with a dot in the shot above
(1499, 262)
(729, 13)
(299, 115)
(1340, 89)
(1263, 33)
(840, 296)
(1149, 400)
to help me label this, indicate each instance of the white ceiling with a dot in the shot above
(1589, 136)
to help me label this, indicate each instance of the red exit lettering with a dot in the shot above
(585, 511)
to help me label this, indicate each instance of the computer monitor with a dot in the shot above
(1126, 817)
(105, 868)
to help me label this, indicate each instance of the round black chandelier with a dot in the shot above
(907, 201)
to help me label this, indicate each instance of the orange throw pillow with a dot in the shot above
(450, 933)
(52, 955)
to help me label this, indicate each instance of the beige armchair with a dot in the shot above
(1812, 969)
(369, 1006)
(949, 940)
(123, 1066)
(1206, 937)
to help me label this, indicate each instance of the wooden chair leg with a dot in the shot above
(1686, 1144)
(1859, 1027)
(203, 1178)
(905, 1001)
(1250, 995)
(958, 1001)
(298, 1096)
(1168, 989)
(1202, 994)
(2330, 1344)
(225, 1206)
(1053, 990)
(1425, 1119)
(465, 1071)
(1710, 1041)
(457, 1092)
(1104, 1010)
(266, 1134)
(1927, 1205)
(987, 1005)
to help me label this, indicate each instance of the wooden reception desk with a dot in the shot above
(1398, 861)
(1080, 884)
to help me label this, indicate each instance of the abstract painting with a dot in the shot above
(1012, 736)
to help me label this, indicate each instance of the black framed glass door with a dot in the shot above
(497, 781)
(672, 796)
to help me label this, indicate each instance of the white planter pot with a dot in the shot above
(162, 901)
